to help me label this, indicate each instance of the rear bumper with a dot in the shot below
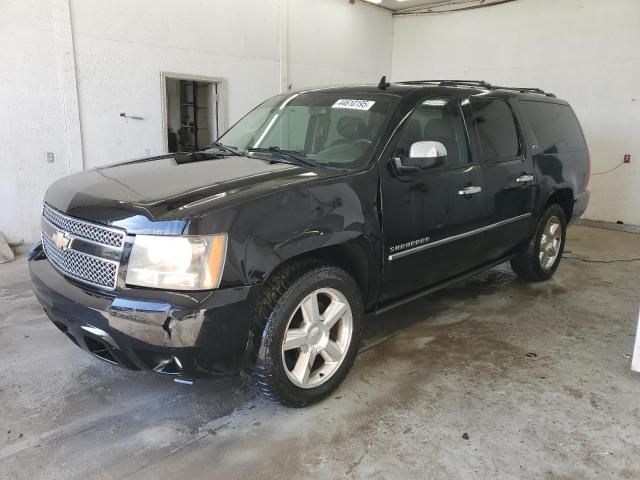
(177, 333)
(580, 203)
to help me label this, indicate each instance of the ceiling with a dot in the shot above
(399, 4)
(432, 6)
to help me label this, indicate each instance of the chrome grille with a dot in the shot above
(75, 247)
(81, 266)
(92, 232)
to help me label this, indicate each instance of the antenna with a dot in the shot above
(383, 83)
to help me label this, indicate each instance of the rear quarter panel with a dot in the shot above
(554, 170)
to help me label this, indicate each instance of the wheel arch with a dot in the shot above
(563, 196)
(356, 257)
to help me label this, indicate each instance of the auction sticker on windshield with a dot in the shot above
(353, 104)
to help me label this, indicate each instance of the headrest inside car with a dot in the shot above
(438, 128)
(352, 127)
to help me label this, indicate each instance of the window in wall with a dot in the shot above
(554, 125)
(192, 114)
(495, 129)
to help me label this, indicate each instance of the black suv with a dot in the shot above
(265, 251)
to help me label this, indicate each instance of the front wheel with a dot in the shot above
(540, 258)
(309, 323)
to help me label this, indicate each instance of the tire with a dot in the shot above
(532, 264)
(280, 315)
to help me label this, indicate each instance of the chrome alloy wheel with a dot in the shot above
(317, 338)
(550, 242)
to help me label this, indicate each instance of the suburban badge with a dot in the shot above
(413, 243)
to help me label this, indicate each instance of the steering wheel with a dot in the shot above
(363, 140)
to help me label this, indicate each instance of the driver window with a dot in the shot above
(437, 120)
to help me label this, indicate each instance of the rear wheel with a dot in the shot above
(541, 257)
(311, 318)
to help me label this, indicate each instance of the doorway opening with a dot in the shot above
(193, 113)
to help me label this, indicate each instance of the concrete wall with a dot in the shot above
(32, 119)
(117, 52)
(585, 51)
(334, 43)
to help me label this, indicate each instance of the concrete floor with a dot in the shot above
(495, 378)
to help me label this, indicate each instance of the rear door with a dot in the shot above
(508, 173)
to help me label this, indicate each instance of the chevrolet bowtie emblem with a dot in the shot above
(61, 240)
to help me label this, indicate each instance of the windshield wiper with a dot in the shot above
(277, 154)
(227, 148)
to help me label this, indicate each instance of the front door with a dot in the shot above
(432, 219)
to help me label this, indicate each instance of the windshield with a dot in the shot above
(330, 129)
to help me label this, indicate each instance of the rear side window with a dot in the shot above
(555, 126)
(494, 129)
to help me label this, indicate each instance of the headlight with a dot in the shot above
(177, 263)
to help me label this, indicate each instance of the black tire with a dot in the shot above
(527, 264)
(284, 291)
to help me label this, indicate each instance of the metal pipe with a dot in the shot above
(428, 10)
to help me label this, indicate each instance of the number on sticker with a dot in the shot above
(354, 104)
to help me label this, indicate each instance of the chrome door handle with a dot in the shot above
(524, 178)
(470, 190)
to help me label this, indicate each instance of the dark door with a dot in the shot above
(432, 218)
(509, 182)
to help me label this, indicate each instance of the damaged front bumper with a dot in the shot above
(177, 333)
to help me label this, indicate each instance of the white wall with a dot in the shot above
(32, 118)
(585, 51)
(120, 49)
(332, 42)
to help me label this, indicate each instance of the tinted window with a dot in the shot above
(554, 125)
(495, 130)
(437, 120)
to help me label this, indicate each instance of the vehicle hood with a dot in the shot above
(162, 194)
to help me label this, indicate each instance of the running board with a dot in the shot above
(440, 286)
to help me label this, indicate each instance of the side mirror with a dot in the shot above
(422, 156)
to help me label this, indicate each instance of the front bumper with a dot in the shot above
(177, 333)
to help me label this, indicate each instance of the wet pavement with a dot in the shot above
(494, 378)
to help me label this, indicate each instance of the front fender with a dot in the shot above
(286, 224)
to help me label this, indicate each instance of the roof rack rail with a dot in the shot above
(478, 83)
(470, 83)
(481, 83)
(524, 90)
